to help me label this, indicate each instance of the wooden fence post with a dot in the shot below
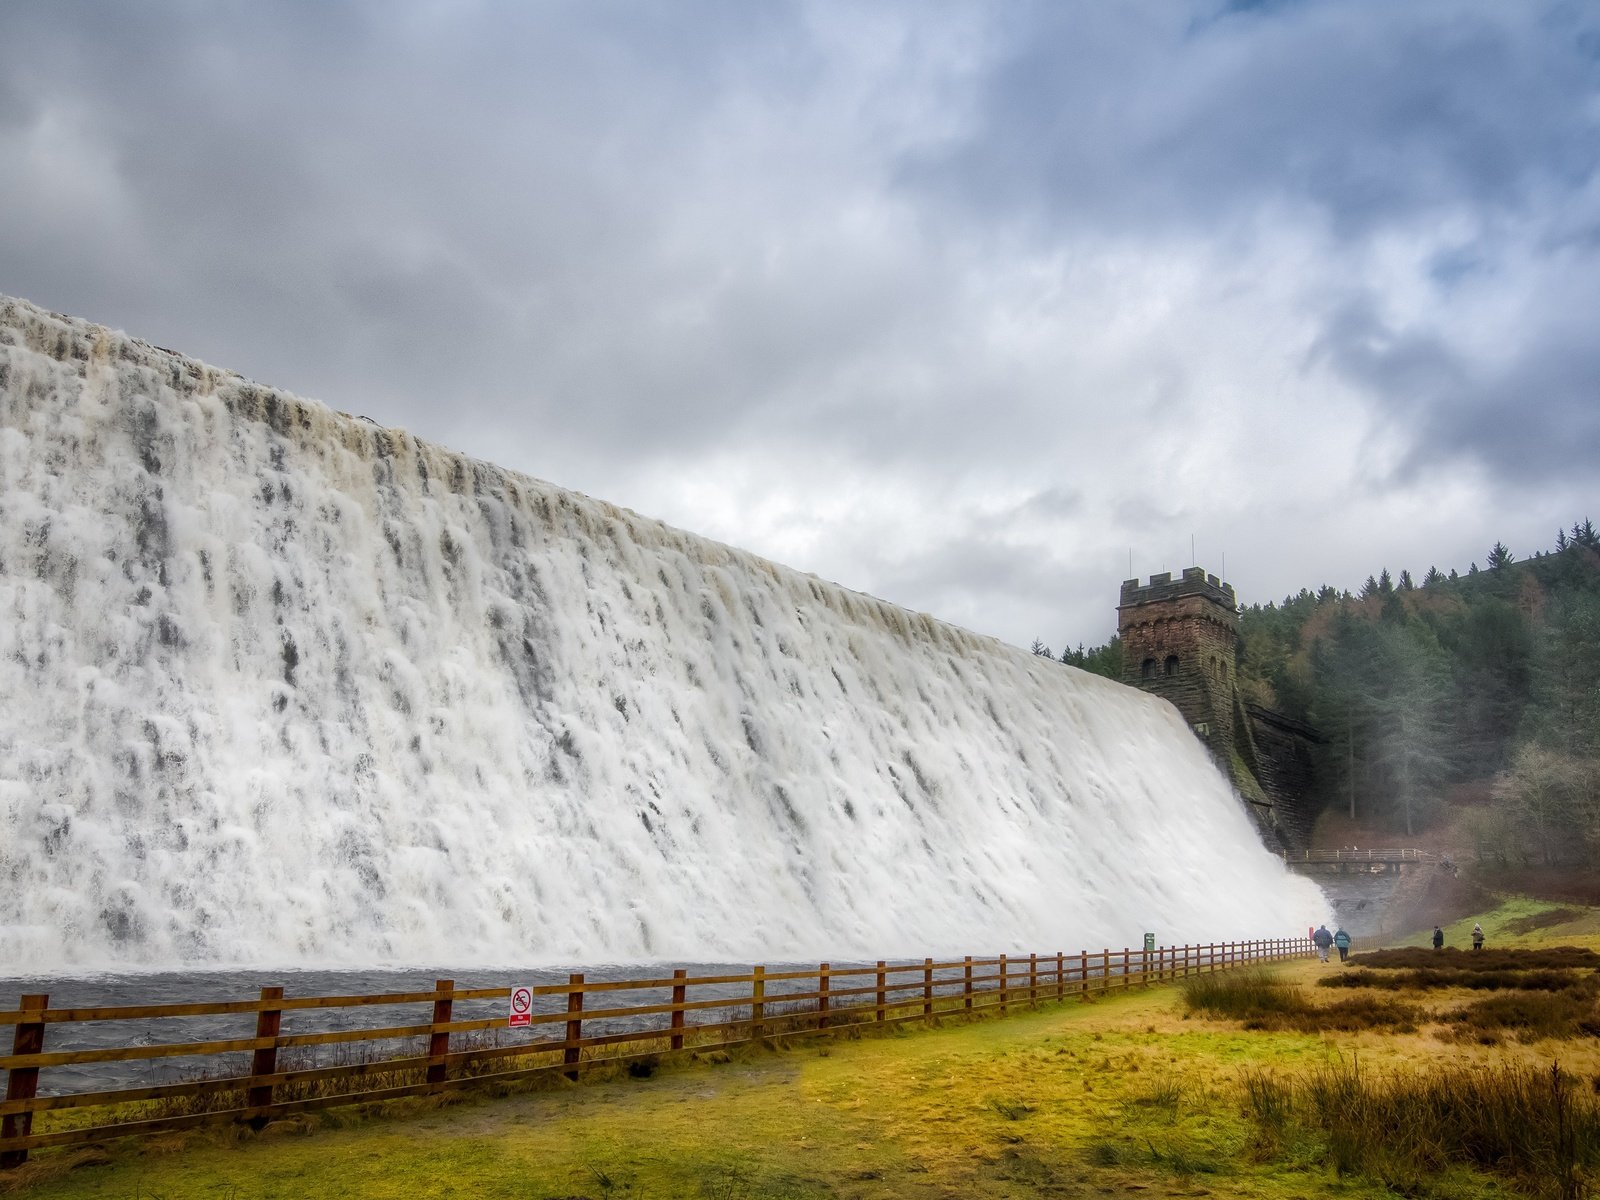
(1003, 988)
(1083, 974)
(758, 1001)
(679, 993)
(1061, 977)
(22, 1083)
(1033, 981)
(966, 990)
(569, 1055)
(927, 987)
(823, 980)
(439, 1039)
(882, 993)
(265, 1059)
(1127, 967)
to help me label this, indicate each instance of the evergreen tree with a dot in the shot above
(1499, 557)
(1382, 701)
(1102, 660)
(1491, 649)
(1041, 649)
(1432, 578)
(1406, 584)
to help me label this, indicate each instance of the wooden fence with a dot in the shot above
(442, 1053)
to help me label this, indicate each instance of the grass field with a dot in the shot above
(1136, 1093)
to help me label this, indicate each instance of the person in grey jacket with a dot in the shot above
(1322, 939)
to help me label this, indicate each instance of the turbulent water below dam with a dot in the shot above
(284, 687)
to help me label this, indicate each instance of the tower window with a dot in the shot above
(1148, 669)
(1172, 664)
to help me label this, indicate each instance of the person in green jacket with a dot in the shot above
(1341, 940)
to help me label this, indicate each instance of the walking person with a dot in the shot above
(1323, 939)
(1477, 936)
(1438, 937)
(1341, 939)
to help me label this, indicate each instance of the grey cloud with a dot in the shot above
(1534, 414)
(1120, 119)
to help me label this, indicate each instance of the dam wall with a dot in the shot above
(282, 686)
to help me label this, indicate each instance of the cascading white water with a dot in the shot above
(284, 687)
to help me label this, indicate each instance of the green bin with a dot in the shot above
(1149, 942)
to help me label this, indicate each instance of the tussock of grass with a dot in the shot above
(1539, 1126)
(1547, 980)
(1176, 1158)
(1248, 994)
(1454, 958)
(1570, 1013)
(1358, 1012)
(1264, 1002)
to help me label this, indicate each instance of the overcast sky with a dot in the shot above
(958, 304)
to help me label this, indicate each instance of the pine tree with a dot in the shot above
(1432, 577)
(1041, 649)
(1499, 557)
(1405, 581)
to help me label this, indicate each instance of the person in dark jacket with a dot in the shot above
(1323, 940)
(1341, 940)
(1438, 937)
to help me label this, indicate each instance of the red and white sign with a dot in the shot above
(521, 1008)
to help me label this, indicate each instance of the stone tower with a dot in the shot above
(1180, 641)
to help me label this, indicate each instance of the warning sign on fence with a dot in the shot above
(521, 1008)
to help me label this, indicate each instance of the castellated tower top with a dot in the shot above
(1193, 582)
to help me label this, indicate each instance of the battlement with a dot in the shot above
(1193, 582)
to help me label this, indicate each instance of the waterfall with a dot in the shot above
(286, 687)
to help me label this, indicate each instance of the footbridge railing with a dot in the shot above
(88, 1074)
(1353, 854)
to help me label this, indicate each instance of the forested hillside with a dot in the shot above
(1444, 688)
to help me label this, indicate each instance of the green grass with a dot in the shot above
(1537, 1129)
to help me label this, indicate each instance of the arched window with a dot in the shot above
(1148, 669)
(1172, 664)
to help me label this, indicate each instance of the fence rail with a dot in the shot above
(394, 1060)
(1349, 854)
